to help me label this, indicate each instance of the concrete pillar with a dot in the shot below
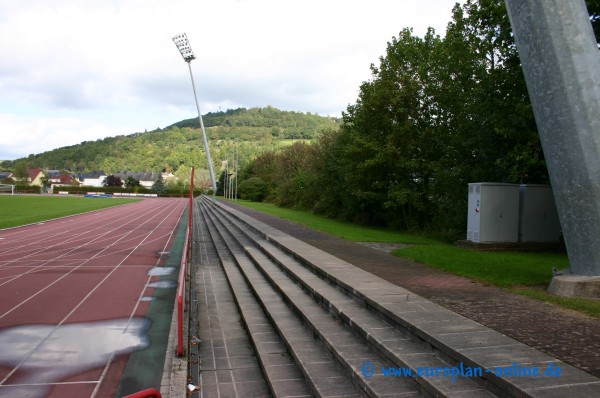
(561, 64)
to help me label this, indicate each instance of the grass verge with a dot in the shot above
(18, 210)
(503, 269)
(337, 228)
(522, 273)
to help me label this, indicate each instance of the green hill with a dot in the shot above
(252, 131)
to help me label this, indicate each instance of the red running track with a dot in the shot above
(72, 297)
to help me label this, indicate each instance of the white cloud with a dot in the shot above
(104, 65)
(28, 134)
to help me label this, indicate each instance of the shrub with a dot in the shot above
(254, 189)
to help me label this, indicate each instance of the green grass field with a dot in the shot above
(18, 210)
(523, 273)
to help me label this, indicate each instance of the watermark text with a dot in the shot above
(514, 370)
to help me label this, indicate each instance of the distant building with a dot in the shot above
(93, 179)
(35, 176)
(146, 179)
(97, 178)
(53, 173)
(61, 180)
(6, 177)
(168, 177)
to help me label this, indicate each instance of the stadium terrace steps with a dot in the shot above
(299, 319)
(344, 327)
(268, 337)
(282, 375)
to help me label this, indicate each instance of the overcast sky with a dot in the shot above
(79, 70)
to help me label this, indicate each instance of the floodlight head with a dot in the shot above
(183, 45)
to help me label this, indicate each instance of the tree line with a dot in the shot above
(179, 145)
(437, 114)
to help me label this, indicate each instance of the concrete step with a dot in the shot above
(348, 349)
(452, 340)
(225, 362)
(394, 345)
(295, 344)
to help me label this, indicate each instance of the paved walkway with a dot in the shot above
(567, 335)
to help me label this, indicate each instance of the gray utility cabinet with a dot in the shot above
(493, 212)
(538, 218)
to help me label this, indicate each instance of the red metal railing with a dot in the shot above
(183, 273)
(181, 295)
(149, 393)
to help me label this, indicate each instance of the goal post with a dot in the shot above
(7, 188)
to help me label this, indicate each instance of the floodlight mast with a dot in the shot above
(185, 49)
